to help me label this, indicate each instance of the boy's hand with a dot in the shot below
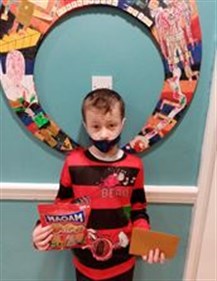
(154, 256)
(42, 236)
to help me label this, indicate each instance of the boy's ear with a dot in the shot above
(123, 121)
(84, 124)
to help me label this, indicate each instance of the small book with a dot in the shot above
(144, 240)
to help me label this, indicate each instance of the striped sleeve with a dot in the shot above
(139, 215)
(65, 192)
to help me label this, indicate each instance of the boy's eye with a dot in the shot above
(96, 127)
(112, 126)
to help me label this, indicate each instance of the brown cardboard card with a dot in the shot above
(144, 240)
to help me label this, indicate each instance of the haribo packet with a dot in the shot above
(68, 220)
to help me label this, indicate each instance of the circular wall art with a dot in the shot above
(173, 24)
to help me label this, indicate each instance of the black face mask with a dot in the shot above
(105, 145)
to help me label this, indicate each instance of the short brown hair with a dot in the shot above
(103, 99)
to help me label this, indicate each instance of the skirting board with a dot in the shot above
(47, 191)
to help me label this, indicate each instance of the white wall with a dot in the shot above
(208, 258)
(201, 258)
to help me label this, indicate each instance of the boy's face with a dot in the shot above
(104, 126)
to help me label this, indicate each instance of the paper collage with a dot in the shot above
(174, 25)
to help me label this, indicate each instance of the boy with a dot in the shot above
(112, 180)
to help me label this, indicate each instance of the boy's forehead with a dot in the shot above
(103, 110)
(100, 113)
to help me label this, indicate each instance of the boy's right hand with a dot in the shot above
(41, 237)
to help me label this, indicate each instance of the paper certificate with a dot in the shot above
(144, 240)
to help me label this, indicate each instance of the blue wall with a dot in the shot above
(20, 261)
(105, 41)
(100, 41)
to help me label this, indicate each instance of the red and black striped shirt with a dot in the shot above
(117, 198)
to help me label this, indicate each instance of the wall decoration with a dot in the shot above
(173, 24)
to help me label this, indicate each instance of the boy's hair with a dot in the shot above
(103, 99)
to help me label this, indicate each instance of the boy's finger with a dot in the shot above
(41, 230)
(162, 258)
(45, 243)
(150, 256)
(45, 231)
(43, 235)
(156, 255)
(46, 228)
(43, 248)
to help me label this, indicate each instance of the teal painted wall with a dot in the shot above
(20, 261)
(105, 41)
(100, 41)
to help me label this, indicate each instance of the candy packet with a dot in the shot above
(69, 223)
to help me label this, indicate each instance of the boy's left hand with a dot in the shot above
(154, 256)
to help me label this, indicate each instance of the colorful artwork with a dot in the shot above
(174, 24)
